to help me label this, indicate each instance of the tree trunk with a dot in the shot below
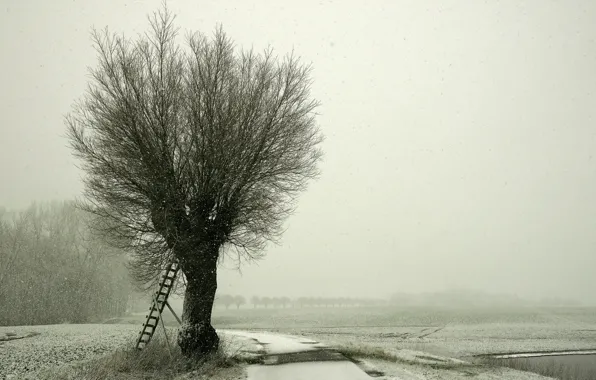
(197, 336)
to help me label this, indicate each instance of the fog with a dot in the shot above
(459, 137)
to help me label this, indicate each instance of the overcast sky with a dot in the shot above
(459, 136)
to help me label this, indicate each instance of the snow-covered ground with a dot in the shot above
(287, 357)
(412, 334)
(445, 331)
(395, 371)
(290, 357)
(56, 345)
(274, 343)
(465, 340)
(425, 350)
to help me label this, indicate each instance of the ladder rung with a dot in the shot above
(146, 333)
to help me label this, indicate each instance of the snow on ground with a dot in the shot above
(289, 357)
(419, 365)
(398, 371)
(464, 340)
(449, 332)
(274, 343)
(57, 345)
(282, 361)
(424, 352)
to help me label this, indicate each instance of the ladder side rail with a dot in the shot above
(158, 305)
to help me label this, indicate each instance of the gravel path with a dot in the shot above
(57, 345)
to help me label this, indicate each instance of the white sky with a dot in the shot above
(460, 136)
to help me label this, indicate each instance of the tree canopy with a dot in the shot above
(177, 144)
(192, 148)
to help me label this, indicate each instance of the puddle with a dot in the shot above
(581, 364)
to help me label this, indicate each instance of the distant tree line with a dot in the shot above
(431, 299)
(471, 298)
(53, 270)
(226, 300)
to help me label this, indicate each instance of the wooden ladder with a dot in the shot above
(160, 301)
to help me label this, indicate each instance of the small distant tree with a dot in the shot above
(256, 301)
(266, 301)
(310, 302)
(239, 301)
(191, 153)
(286, 301)
(227, 300)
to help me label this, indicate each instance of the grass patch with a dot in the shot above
(157, 361)
(355, 352)
(545, 366)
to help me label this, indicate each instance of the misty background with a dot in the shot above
(459, 137)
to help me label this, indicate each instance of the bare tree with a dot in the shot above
(286, 301)
(11, 246)
(227, 300)
(52, 269)
(239, 301)
(193, 153)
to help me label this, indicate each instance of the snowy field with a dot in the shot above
(57, 345)
(446, 333)
(449, 332)
(403, 332)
